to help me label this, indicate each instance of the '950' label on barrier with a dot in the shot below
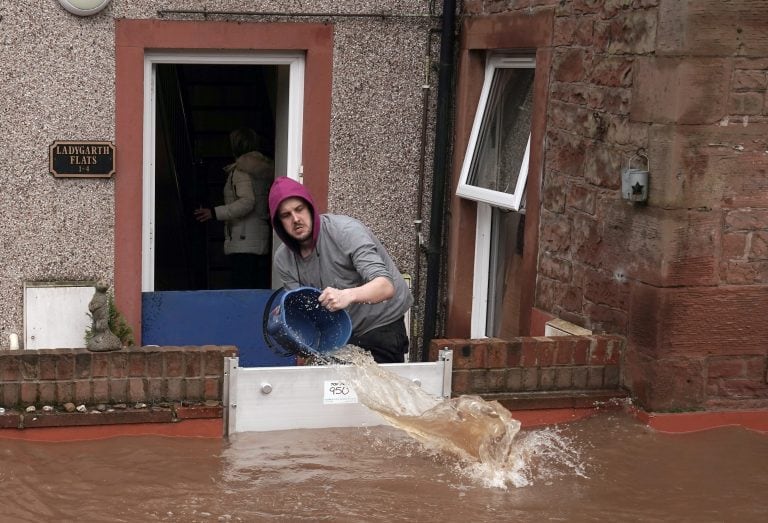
(338, 392)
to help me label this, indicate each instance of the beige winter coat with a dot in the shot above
(245, 210)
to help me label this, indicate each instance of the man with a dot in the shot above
(341, 257)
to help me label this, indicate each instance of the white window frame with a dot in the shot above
(486, 198)
(480, 194)
(289, 134)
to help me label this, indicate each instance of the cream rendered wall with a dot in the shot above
(57, 74)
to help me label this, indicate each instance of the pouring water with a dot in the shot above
(481, 434)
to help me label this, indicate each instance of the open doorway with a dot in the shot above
(197, 106)
(295, 50)
(192, 102)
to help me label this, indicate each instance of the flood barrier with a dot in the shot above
(213, 317)
(306, 397)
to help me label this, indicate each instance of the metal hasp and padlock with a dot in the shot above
(634, 180)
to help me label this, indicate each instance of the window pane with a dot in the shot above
(504, 132)
(505, 274)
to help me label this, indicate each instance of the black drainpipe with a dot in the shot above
(440, 175)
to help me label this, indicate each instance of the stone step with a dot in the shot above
(586, 399)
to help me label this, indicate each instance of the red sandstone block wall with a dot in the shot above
(533, 364)
(142, 374)
(682, 276)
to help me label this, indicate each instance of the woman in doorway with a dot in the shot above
(245, 213)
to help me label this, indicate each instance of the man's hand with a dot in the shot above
(336, 299)
(375, 291)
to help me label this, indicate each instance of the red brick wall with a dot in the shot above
(683, 276)
(533, 364)
(144, 374)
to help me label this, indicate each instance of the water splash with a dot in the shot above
(481, 434)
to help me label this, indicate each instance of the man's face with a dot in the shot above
(295, 215)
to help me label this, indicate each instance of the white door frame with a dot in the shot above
(288, 136)
(480, 278)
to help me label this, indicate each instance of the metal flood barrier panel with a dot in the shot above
(279, 398)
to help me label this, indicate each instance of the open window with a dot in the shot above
(495, 167)
(494, 174)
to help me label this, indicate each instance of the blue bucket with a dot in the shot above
(298, 324)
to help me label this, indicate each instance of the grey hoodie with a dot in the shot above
(346, 254)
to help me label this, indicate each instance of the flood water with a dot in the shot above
(605, 468)
(448, 460)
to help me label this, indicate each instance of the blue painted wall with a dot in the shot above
(222, 317)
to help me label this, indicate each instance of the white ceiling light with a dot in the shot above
(84, 7)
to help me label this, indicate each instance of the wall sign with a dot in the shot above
(81, 159)
(84, 7)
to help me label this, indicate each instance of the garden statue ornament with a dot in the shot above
(102, 338)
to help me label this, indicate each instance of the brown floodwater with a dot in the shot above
(605, 468)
